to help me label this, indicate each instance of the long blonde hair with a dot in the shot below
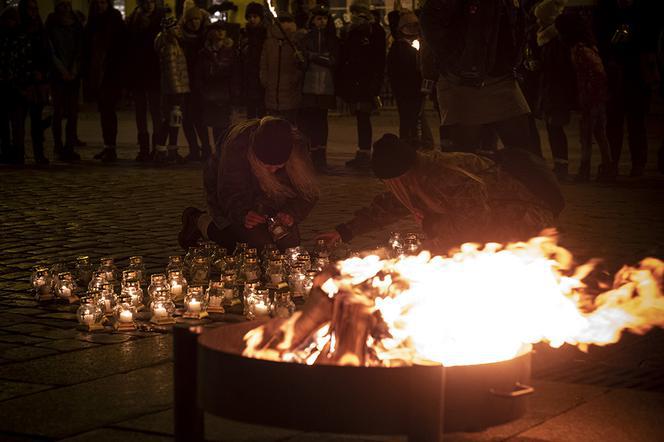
(300, 171)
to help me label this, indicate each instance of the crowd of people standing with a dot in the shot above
(192, 71)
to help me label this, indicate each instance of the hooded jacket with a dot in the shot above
(281, 73)
(173, 64)
(321, 51)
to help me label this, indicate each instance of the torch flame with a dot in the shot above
(478, 305)
(416, 44)
(272, 9)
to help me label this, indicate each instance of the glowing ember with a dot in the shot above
(479, 305)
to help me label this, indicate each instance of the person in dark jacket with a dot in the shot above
(403, 71)
(143, 25)
(104, 57)
(264, 176)
(21, 85)
(64, 29)
(557, 95)
(477, 82)
(251, 46)
(361, 73)
(627, 41)
(457, 197)
(192, 36)
(321, 50)
(217, 70)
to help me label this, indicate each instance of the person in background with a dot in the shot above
(64, 29)
(592, 94)
(104, 67)
(217, 68)
(264, 170)
(251, 46)
(143, 25)
(192, 36)
(361, 73)
(557, 96)
(476, 80)
(627, 40)
(281, 70)
(403, 71)
(456, 197)
(17, 85)
(321, 50)
(174, 88)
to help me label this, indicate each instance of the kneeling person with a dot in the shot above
(264, 175)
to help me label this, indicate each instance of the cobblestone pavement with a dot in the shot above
(59, 382)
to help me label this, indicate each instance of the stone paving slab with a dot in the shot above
(74, 409)
(9, 389)
(114, 435)
(75, 367)
(620, 415)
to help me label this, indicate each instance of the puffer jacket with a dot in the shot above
(251, 47)
(281, 73)
(321, 52)
(173, 64)
(217, 71)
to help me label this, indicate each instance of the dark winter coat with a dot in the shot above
(66, 44)
(281, 72)
(362, 63)
(217, 71)
(192, 43)
(172, 63)
(557, 94)
(143, 61)
(403, 70)
(232, 189)
(104, 52)
(473, 40)
(251, 46)
(15, 52)
(321, 51)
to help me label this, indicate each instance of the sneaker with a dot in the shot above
(107, 155)
(362, 161)
(189, 234)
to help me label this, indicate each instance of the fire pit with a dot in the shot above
(366, 354)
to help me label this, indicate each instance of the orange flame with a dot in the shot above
(483, 305)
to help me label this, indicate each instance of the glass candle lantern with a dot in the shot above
(178, 285)
(396, 244)
(89, 314)
(83, 270)
(269, 252)
(158, 287)
(42, 283)
(107, 266)
(162, 309)
(199, 272)
(192, 253)
(195, 303)
(97, 281)
(257, 303)
(240, 248)
(125, 314)
(304, 260)
(283, 306)
(175, 263)
(137, 265)
(412, 244)
(296, 281)
(216, 297)
(107, 299)
(132, 291)
(66, 287)
(275, 271)
(291, 255)
(321, 249)
(230, 289)
(217, 261)
(251, 270)
(128, 275)
(309, 282)
(231, 264)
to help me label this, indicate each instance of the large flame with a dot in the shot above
(272, 9)
(479, 305)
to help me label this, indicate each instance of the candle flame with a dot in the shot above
(416, 44)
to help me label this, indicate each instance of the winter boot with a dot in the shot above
(160, 155)
(561, 170)
(584, 172)
(174, 157)
(607, 172)
(107, 155)
(319, 158)
(362, 160)
(68, 154)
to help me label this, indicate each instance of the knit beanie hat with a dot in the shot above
(408, 22)
(273, 141)
(547, 11)
(392, 157)
(360, 7)
(254, 8)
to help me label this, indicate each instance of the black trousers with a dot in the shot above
(107, 102)
(257, 237)
(514, 132)
(313, 122)
(364, 130)
(65, 96)
(147, 100)
(192, 124)
(255, 108)
(15, 111)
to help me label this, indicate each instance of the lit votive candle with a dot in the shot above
(176, 290)
(126, 316)
(160, 312)
(261, 309)
(65, 292)
(194, 306)
(89, 319)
